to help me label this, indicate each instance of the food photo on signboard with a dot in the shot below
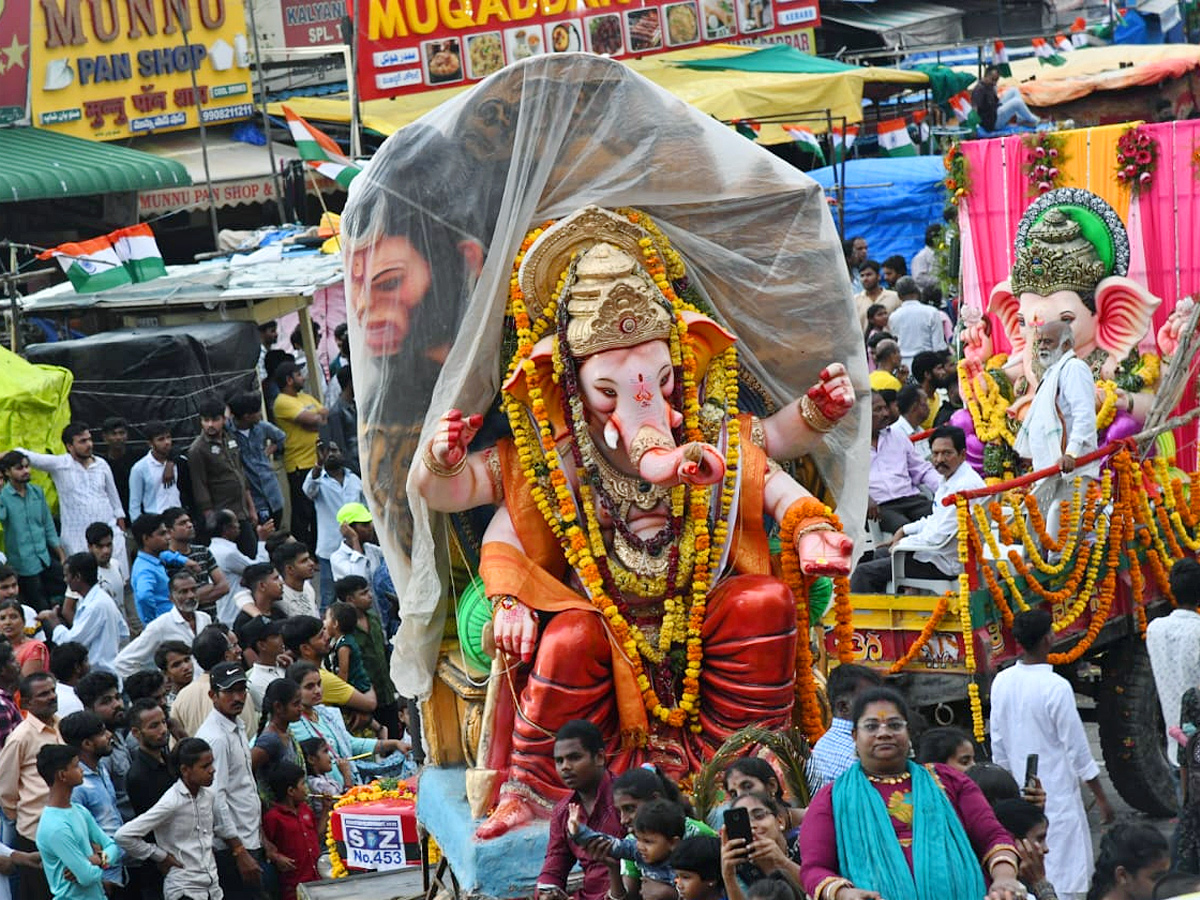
(718, 19)
(443, 61)
(525, 42)
(485, 54)
(604, 35)
(682, 25)
(645, 29)
(564, 38)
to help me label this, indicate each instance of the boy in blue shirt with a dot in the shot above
(87, 734)
(67, 834)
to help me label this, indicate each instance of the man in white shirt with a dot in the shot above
(935, 533)
(235, 793)
(330, 485)
(923, 267)
(1173, 642)
(68, 663)
(98, 624)
(872, 292)
(87, 492)
(1033, 711)
(913, 406)
(99, 538)
(231, 560)
(295, 566)
(916, 327)
(359, 552)
(181, 623)
(264, 636)
(1060, 426)
(153, 486)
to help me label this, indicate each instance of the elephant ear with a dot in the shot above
(1124, 310)
(708, 339)
(518, 384)
(1003, 303)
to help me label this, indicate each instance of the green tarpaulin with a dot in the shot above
(944, 82)
(779, 58)
(34, 409)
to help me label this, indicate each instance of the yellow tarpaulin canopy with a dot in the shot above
(34, 409)
(723, 94)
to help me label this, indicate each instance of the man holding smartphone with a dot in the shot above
(1035, 721)
(580, 762)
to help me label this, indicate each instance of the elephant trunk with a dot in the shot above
(660, 462)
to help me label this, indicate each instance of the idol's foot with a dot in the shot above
(511, 812)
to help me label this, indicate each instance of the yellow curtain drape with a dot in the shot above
(1091, 163)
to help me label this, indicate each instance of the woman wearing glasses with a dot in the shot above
(890, 829)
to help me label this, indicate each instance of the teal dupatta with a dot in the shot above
(944, 863)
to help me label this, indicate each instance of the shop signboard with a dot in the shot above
(312, 23)
(14, 62)
(109, 69)
(405, 46)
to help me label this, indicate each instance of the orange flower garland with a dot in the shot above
(803, 512)
(935, 619)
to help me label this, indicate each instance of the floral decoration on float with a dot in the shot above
(1137, 158)
(958, 179)
(355, 845)
(1044, 160)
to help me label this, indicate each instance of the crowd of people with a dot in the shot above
(178, 721)
(892, 808)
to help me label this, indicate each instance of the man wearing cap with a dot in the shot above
(359, 554)
(235, 794)
(331, 486)
(264, 636)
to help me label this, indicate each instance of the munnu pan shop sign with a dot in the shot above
(108, 69)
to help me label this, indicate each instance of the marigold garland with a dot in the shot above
(363, 793)
(935, 619)
(804, 511)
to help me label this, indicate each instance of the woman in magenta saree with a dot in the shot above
(892, 829)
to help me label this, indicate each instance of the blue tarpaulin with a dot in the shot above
(890, 201)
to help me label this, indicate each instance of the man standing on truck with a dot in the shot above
(1173, 642)
(1034, 715)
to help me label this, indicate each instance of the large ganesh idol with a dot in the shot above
(629, 543)
(1070, 265)
(595, 333)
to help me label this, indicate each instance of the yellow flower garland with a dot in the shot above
(537, 451)
(365, 793)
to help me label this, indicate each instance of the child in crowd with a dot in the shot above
(179, 821)
(353, 589)
(290, 826)
(345, 657)
(174, 660)
(697, 865)
(657, 828)
(1028, 825)
(323, 791)
(776, 886)
(75, 851)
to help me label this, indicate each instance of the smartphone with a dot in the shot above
(1031, 769)
(737, 824)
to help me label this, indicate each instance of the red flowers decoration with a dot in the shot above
(1137, 158)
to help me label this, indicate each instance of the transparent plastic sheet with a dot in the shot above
(433, 225)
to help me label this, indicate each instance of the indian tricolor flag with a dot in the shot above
(321, 151)
(138, 251)
(1062, 43)
(894, 139)
(843, 141)
(961, 104)
(806, 139)
(91, 265)
(1046, 54)
(1079, 36)
(923, 130)
(1000, 59)
(747, 128)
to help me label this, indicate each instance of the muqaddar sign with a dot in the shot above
(108, 69)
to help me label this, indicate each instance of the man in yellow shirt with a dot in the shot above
(301, 416)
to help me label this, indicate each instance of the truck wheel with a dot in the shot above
(1132, 731)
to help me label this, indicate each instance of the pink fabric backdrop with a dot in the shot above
(1165, 232)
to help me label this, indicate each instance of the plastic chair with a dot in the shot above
(900, 555)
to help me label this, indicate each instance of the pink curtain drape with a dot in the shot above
(1164, 229)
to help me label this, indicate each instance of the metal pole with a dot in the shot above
(181, 14)
(351, 58)
(262, 97)
(14, 312)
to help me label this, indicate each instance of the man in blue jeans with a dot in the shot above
(996, 112)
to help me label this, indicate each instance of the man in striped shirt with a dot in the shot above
(87, 492)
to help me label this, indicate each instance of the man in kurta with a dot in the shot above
(1033, 711)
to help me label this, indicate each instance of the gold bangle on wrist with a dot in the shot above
(812, 414)
(436, 468)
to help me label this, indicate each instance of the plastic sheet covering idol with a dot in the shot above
(430, 233)
(155, 373)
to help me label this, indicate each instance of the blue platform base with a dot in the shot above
(506, 866)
